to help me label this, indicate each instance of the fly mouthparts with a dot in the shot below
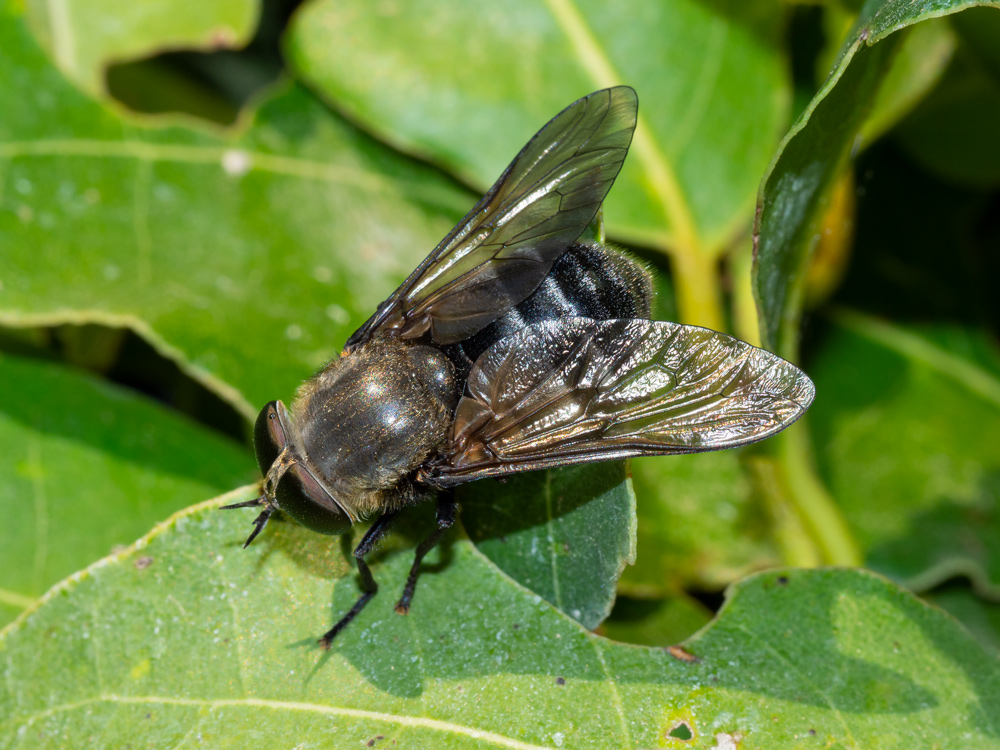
(259, 522)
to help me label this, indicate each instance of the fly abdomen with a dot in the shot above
(588, 281)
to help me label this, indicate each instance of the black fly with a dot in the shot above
(512, 347)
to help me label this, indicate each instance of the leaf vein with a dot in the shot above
(188, 154)
(616, 697)
(804, 679)
(556, 590)
(660, 172)
(260, 703)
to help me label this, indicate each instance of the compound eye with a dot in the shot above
(302, 497)
(269, 436)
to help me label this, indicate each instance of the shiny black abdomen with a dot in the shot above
(588, 281)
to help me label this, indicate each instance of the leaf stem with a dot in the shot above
(795, 542)
(695, 271)
(696, 278)
(813, 503)
(746, 323)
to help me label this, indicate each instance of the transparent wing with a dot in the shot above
(500, 252)
(578, 390)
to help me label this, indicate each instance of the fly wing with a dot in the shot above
(578, 390)
(500, 252)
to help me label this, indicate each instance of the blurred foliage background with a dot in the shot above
(148, 309)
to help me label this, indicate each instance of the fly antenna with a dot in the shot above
(247, 504)
(259, 523)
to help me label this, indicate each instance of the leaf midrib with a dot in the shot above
(262, 703)
(140, 150)
(660, 173)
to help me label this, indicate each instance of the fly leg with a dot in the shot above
(445, 518)
(372, 537)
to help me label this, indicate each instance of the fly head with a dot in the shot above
(289, 483)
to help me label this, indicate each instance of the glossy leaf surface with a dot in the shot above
(88, 466)
(467, 84)
(203, 639)
(795, 189)
(565, 534)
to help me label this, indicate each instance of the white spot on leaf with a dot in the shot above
(236, 162)
(725, 741)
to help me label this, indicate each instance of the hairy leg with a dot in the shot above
(374, 535)
(446, 510)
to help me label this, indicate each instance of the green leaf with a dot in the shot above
(709, 78)
(466, 84)
(953, 132)
(248, 256)
(656, 622)
(566, 534)
(795, 189)
(906, 439)
(921, 61)
(981, 617)
(209, 642)
(698, 524)
(83, 40)
(88, 466)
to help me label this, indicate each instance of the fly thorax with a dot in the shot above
(374, 416)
